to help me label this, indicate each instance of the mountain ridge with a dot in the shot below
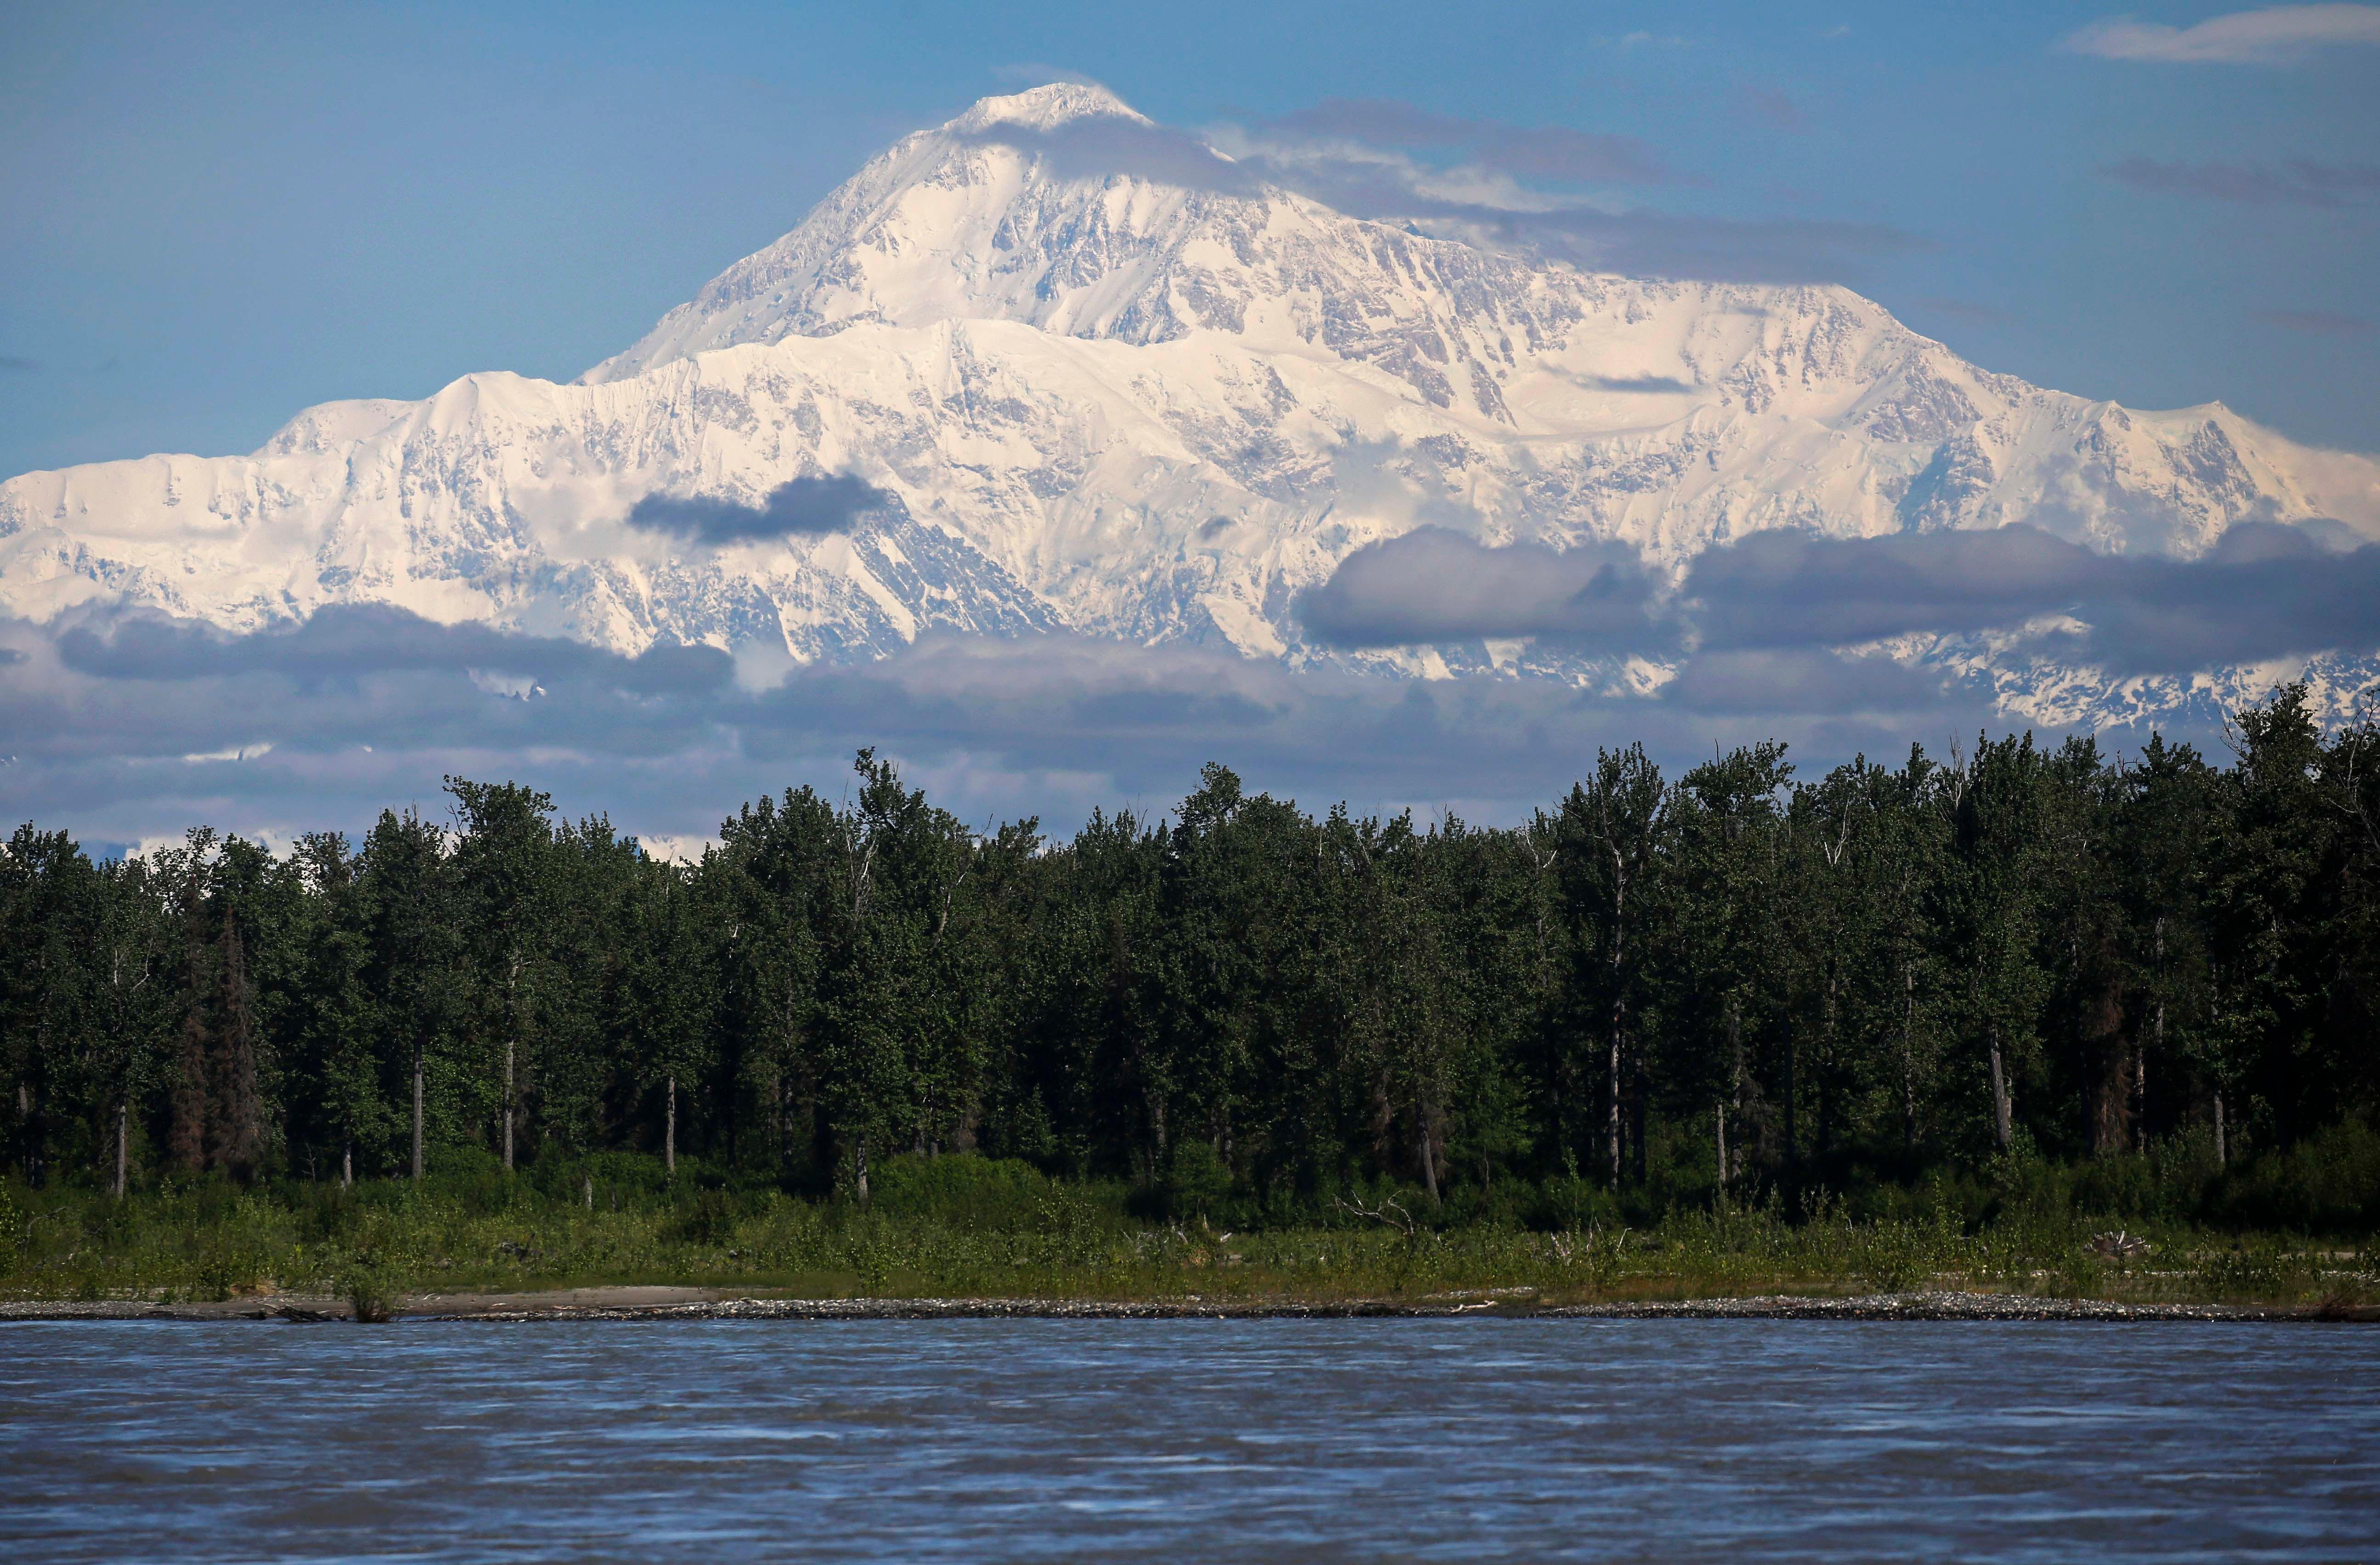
(1152, 409)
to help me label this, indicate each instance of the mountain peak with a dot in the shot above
(1045, 107)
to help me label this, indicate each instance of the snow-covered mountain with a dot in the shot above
(1151, 409)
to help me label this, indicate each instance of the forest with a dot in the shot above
(1733, 984)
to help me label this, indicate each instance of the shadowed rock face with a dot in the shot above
(1105, 381)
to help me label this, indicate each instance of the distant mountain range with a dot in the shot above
(1155, 409)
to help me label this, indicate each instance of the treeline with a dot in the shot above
(1736, 978)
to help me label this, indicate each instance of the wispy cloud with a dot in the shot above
(1550, 152)
(1097, 146)
(2278, 35)
(1322, 156)
(2297, 182)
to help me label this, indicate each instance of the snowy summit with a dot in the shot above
(1052, 366)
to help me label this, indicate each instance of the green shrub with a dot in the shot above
(368, 1288)
(961, 1189)
(2327, 1184)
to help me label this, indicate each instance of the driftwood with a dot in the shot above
(1403, 1222)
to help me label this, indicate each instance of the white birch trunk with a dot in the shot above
(416, 1113)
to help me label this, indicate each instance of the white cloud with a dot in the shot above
(677, 847)
(2276, 36)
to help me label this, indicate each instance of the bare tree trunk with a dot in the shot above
(2140, 1052)
(1618, 1005)
(590, 1179)
(417, 1110)
(2222, 1158)
(1909, 1056)
(861, 1189)
(122, 1143)
(1611, 1124)
(1735, 1068)
(669, 1130)
(347, 1166)
(508, 1102)
(2002, 1110)
(1722, 1112)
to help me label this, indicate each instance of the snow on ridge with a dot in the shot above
(1045, 108)
(1127, 408)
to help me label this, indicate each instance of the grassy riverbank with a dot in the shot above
(968, 1228)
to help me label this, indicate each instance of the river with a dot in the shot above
(1182, 1440)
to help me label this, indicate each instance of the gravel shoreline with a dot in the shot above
(671, 1303)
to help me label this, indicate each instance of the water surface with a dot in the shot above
(1117, 1440)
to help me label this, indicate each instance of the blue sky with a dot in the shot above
(219, 216)
(216, 218)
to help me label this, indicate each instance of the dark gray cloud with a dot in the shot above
(1657, 383)
(1553, 154)
(2265, 591)
(2297, 182)
(1053, 725)
(1789, 588)
(125, 727)
(2318, 322)
(344, 642)
(796, 506)
(1433, 584)
(1804, 681)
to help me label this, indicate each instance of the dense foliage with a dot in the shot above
(1735, 978)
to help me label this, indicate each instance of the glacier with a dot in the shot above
(1155, 409)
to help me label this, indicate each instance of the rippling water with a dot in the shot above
(1383, 1439)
